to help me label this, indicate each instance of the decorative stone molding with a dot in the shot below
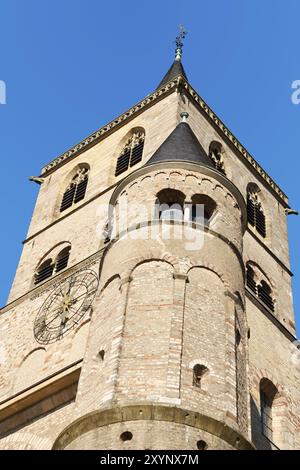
(166, 258)
(202, 170)
(96, 136)
(178, 83)
(151, 412)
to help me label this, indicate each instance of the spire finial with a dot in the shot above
(179, 42)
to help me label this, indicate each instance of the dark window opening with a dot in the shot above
(132, 153)
(76, 189)
(261, 290)
(198, 373)
(44, 271)
(264, 294)
(203, 207)
(268, 392)
(62, 259)
(170, 204)
(255, 213)
(250, 280)
(215, 153)
(50, 267)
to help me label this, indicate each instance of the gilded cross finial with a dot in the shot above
(179, 42)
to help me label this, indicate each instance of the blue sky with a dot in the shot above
(70, 66)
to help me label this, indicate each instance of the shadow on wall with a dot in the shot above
(258, 439)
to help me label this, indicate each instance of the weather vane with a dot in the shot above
(179, 41)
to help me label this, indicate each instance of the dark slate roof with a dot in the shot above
(175, 70)
(181, 145)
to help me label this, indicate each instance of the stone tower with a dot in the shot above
(152, 305)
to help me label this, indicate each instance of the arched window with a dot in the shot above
(215, 153)
(132, 152)
(170, 204)
(255, 212)
(199, 371)
(264, 293)
(203, 208)
(62, 259)
(268, 393)
(250, 280)
(45, 270)
(52, 265)
(256, 282)
(76, 190)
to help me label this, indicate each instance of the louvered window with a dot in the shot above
(62, 260)
(261, 290)
(76, 189)
(44, 272)
(50, 267)
(250, 280)
(256, 217)
(264, 294)
(68, 198)
(131, 154)
(260, 221)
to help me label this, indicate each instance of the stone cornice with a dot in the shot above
(177, 82)
(234, 141)
(103, 131)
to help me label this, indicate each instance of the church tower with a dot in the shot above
(152, 305)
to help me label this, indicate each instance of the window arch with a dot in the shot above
(170, 204)
(132, 152)
(56, 261)
(199, 371)
(75, 192)
(256, 216)
(268, 394)
(203, 207)
(258, 284)
(216, 154)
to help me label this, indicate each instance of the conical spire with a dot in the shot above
(175, 70)
(181, 145)
(177, 67)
